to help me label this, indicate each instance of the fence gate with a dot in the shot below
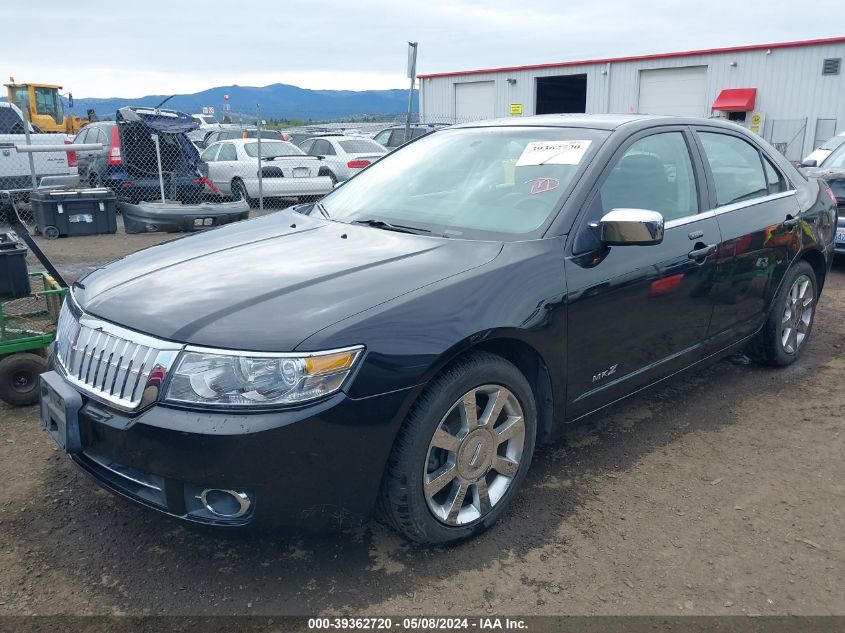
(825, 129)
(787, 135)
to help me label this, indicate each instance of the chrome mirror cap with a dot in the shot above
(623, 227)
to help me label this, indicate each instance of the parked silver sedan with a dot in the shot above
(344, 156)
(286, 170)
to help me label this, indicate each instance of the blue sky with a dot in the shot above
(104, 49)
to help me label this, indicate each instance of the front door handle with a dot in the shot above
(790, 222)
(702, 251)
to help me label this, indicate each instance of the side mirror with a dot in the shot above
(70, 99)
(809, 163)
(631, 227)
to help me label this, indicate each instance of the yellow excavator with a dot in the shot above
(43, 104)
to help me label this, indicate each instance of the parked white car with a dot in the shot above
(344, 156)
(287, 172)
(825, 150)
(14, 165)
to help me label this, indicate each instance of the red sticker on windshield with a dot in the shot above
(542, 185)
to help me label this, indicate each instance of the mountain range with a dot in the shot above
(277, 101)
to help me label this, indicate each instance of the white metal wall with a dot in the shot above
(788, 80)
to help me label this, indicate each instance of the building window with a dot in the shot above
(831, 66)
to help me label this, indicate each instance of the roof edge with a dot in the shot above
(634, 58)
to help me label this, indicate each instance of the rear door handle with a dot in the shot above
(790, 222)
(702, 251)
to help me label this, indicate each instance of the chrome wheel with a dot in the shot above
(797, 314)
(474, 455)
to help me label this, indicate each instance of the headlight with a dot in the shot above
(249, 379)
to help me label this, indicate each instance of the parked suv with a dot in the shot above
(406, 342)
(127, 162)
(394, 137)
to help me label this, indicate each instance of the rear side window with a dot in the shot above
(654, 173)
(227, 152)
(361, 146)
(382, 137)
(323, 148)
(397, 138)
(81, 137)
(774, 181)
(736, 167)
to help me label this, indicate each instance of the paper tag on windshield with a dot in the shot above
(553, 153)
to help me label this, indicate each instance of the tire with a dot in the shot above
(787, 329)
(428, 517)
(331, 176)
(50, 232)
(239, 191)
(19, 378)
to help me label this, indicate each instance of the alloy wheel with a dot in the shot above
(797, 314)
(474, 455)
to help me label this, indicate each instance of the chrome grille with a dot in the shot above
(108, 362)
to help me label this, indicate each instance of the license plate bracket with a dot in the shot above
(60, 405)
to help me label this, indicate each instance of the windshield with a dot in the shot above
(836, 159)
(361, 146)
(833, 143)
(271, 149)
(477, 183)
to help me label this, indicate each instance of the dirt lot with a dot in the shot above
(722, 494)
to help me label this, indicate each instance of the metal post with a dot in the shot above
(260, 166)
(412, 74)
(158, 160)
(26, 134)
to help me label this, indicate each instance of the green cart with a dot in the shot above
(27, 327)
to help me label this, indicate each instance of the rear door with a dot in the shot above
(639, 313)
(757, 210)
(226, 167)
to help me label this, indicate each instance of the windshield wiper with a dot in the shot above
(387, 226)
(319, 206)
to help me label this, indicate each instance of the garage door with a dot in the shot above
(475, 100)
(678, 91)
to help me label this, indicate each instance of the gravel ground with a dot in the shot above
(723, 493)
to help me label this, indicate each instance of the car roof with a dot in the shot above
(596, 121)
(244, 141)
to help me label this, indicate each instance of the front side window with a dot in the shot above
(382, 137)
(736, 168)
(474, 183)
(209, 154)
(227, 152)
(654, 173)
(47, 102)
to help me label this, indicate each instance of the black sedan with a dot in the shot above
(832, 171)
(407, 343)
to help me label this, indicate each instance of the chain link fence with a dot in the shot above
(160, 162)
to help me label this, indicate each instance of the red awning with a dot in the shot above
(736, 99)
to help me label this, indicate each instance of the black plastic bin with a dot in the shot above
(14, 280)
(60, 212)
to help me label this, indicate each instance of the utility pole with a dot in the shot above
(412, 75)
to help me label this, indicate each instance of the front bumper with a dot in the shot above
(315, 467)
(148, 217)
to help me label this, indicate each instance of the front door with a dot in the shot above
(639, 313)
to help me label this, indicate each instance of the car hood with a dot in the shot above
(268, 284)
